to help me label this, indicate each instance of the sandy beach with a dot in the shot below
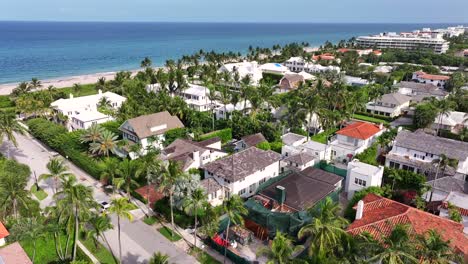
(62, 82)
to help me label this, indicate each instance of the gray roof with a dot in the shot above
(395, 98)
(290, 138)
(210, 185)
(301, 158)
(305, 188)
(142, 125)
(242, 164)
(431, 144)
(182, 150)
(449, 184)
(422, 88)
(253, 140)
(294, 77)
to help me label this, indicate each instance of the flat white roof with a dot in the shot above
(363, 168)
(315, 145)
(86, 101)
(458, 199)
(88, 116)
(196, 90)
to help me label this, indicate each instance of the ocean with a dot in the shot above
(57, 49)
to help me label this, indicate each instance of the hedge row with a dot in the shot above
(180, 218)
(224, 134)
(66, 143)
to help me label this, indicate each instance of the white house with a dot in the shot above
(294, 144)
(453, 122)
(354, 139)
(437, 80)
(361, 175)
(460, 201)
(197, 98)
(149, 129)
(419, 91)
(416, 151)
(222, 112)
(275, 68)
(215, 192)
(244, 68)
(82, 112)
(298, 64)
(392, 105)
(355, 81)
(242, 172)
(192, 154)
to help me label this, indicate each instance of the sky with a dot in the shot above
(332, 11)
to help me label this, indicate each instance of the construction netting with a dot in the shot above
(330, 168)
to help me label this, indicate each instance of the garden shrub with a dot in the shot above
(180, 218)
(173, 134)
(224, 134)
(264, 145)
(276, 146)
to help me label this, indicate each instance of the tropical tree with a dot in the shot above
(281, 250)
(74, 203)
(121, 208)
(193, 204)
(146, 62)
(159, 258)
(13, 194)
(35, 83)
(57, 170)
(234, 209)
(21, 89)
(8, 127)
(444, 108)
(92, 134)
(441, 163)
(101, 83)
(128, 170)
(109, 171)
(167, 178)
(76, 87)
(432, 249)
(454, 213)
(29, 229)
(105, 145)
(397, 248)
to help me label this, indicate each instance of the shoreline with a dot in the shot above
(67, 81)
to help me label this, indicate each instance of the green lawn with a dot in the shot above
(322, 137)
(86, 89)
(40, 194)
(370, 119)
(165, 231)
(102, 253)
(203, 257)
(150, 220)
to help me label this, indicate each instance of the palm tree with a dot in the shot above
(8, 127)
(432, 249)
(75, 202)
(281, 250)
(193, 204)
(146, 62)
(121, 207)
(442, 162)
(397, 248)
(170, 174)
(106, 144)
(98, 225)
(58, 170)
(101, 83)
(22, 88)
(76, 87)
(13, 193)
(29, 229)
(326, 230)
(159, 258)
(109, 171)
(234, 210)
(35, 83)
(92, 134)
(128, 170)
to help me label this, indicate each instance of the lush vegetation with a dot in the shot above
(169, 234)
(324, 136)
(38, 192)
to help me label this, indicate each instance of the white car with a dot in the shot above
(104, 206)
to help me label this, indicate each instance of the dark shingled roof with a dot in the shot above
(142, 124)
(301, 158)
(305, 188)
(242, 164)
(431, 144)
(182, 150)
(210, 185)
(253, 140)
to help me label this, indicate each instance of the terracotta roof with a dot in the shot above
(253, 140)
(343, 50)
(154, 195)
(14, 254)
(380, 215)
(3, 231)
(154, 124)
(424, 75)
(360, 130)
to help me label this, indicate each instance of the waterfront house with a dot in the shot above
(148, 130)
(242, 172)
(416, 151)
(197, 98)
(391, 105)
(83, 112)
(354, 139)
(298, 64)
(360, 175)
(244, 69)
(274, 68)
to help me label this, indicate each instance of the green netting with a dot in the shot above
(269, 182)
(332, 169)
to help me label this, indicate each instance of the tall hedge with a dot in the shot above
(224, 134)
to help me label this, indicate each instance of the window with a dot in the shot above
(252, 188)
(243, 191)
(262, 169)
(214, 195)
(360, 182)
(261, 181)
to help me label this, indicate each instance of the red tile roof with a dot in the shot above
(377, 52)
(3, 231)
(424, 75)
(380, 215)
(343, 50)
(154, 195)
(360, 130)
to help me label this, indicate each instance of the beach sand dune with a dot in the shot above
(62, 82)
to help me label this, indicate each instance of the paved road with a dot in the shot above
(139, 241)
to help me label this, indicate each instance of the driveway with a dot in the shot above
(139, 241)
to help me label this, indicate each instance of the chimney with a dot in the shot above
(280, 194)
(71, 96)
(196, 157)
(381, 126)
(359, 209)
(100, 91)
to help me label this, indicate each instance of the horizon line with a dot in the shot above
(231, 22)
